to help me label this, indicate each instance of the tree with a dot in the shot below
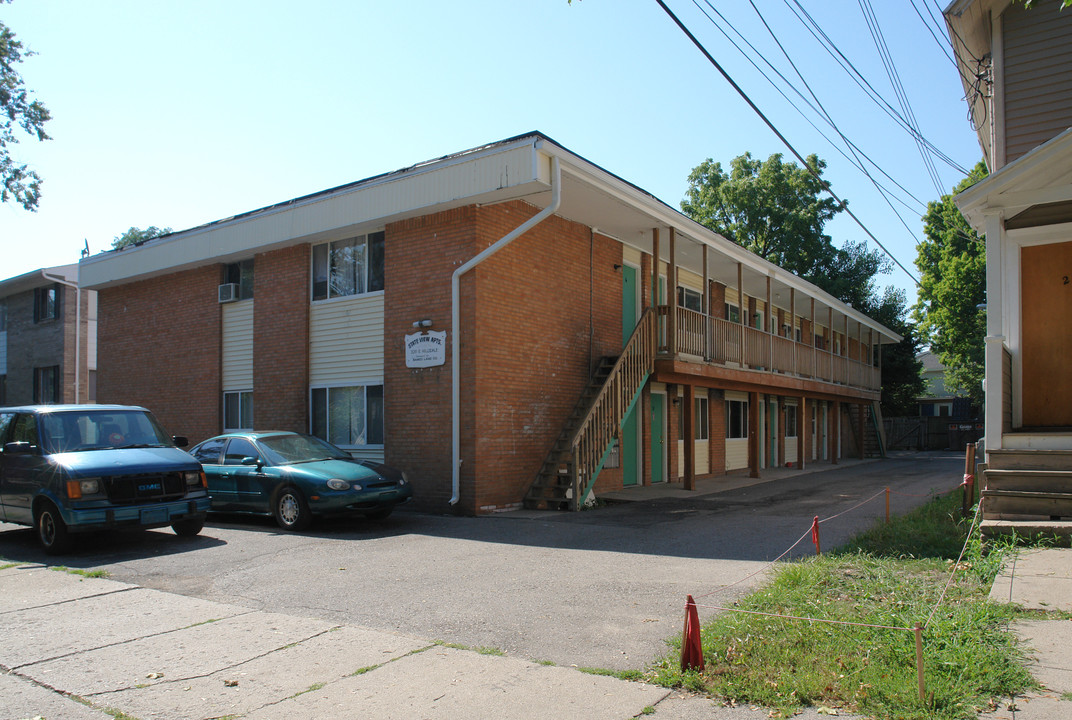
(952, 266)
(769, 207)
(775, 210)
(136, 236)
(17, 110)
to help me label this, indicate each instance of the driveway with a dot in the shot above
(602, 588)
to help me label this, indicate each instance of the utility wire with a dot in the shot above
(930, 28)
(769, 124)
(831, 48)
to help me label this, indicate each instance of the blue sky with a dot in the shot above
(176, 114)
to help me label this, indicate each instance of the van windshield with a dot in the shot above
(75, 431)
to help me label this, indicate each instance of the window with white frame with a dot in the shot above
(348, 267)
(790, 421)
(699, 421)
(238, 410)
(733, 313)
(46, 303)
(736, 419)
(347, 416)
(689, 299)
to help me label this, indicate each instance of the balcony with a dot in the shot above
(704, 339)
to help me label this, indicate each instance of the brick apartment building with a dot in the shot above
(47, 338)
(493, 323)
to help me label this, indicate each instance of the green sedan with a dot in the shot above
(294, 477)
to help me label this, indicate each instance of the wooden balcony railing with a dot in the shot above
(728, 343)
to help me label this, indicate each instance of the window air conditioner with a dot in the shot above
(228, 292)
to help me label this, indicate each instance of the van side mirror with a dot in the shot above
(180, 440)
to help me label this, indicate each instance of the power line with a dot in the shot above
(769, 124)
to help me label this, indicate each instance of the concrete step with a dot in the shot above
(1026, 528)
(1029, 459)
(1019, 502)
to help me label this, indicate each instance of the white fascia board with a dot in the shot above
(1016, 186)
(38, 278)
(664, 215)
(490, 174)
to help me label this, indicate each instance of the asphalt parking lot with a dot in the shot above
(602, 588)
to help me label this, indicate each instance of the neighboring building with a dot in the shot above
(452, 318)
(48, 334)
(938, 401)
(1015, 65)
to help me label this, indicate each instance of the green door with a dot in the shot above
(658, 438)
(629, 301)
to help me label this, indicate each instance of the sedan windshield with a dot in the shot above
(291, 449)
(100, 430)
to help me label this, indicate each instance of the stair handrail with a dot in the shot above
(602, 421)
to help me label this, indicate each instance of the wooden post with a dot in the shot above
(753, 434)
(919, 663)
(968, 494)
(690, 437)
(706, 307)
(802, 427)
(655, 268)
(671, 291)
(887, 506)
(835, 437)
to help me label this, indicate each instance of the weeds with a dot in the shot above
(883, 582)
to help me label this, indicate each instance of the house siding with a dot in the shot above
(346, 338)
(1037, 82)
(237, 357)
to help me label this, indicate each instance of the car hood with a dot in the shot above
(130, 461)
(342, 469)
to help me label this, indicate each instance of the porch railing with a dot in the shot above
(729, 343)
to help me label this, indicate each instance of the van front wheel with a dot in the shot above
(52, 531)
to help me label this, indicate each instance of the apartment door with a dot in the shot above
(658, 437)
(630, 450)
(1046, 315)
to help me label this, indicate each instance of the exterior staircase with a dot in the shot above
(1027, 492)
(874, 437)
(569, 471)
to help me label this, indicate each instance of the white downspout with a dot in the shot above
(455, 319)
(77, 331)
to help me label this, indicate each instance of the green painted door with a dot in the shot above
(629, 301)
(772, 435)
(658, 438)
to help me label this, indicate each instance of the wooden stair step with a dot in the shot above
(1023, 502)
(1006, 459)
(1026, 528)
(1028, 480)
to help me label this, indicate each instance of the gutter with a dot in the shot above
(455, 319)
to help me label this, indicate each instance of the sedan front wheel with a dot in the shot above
(290, 509)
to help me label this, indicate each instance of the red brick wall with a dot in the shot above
(281, 339)
(547, 307)
(158, 345)
(420, 256)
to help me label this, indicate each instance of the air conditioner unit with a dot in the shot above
(228, 292)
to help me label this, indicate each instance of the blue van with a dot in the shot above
(66, 469)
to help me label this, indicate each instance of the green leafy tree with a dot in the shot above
(778, 211)
(952, 266)
(770, 207)
(136, 236)
(17, 111)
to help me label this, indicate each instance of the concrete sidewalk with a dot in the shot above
(1041, 580)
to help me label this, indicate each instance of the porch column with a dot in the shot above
(706, 307)
(740, 313)
(655, 267)
(863, 429)
(753, 434)
(803, 431)
(811, 342)
(994, 410)
(768, 316)
(793, 333)
(830, 334)
(690, 437)
(835, 436)
(671, 290)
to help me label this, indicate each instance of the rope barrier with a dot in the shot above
(808, 619)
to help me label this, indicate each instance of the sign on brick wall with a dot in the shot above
(426, 349)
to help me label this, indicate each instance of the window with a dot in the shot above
(736, 419)
(208, 452)
(700, 419)
(25, 430)
(46, 387)
(46, 303)
(238, 450)
(3, 391)
(348, 416)
(733, 313)
(3, 317)
(689, 299)
(241, 274)
(790, 421)
(238, 410)
(348, 267)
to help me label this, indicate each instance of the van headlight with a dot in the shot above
(77, 488)
(192, 478)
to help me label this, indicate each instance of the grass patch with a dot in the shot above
(633, 675)
(5, 566)
(891, 576)
(480, 650)
(79, 572)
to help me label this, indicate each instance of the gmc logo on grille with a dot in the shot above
(148, 487)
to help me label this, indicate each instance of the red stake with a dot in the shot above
(815, 534)
(691, 647)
